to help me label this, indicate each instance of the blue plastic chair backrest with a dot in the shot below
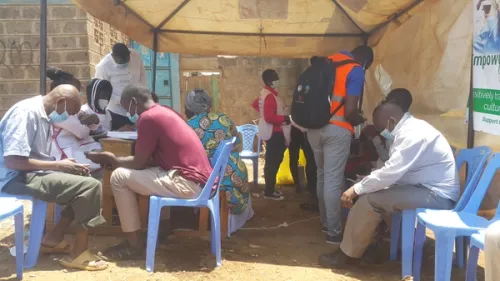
(219, 150)
(248, 133)
(475, 158)
(218, 170)
(484, 183)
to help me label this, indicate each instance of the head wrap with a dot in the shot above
(198, 101)
(93, 95)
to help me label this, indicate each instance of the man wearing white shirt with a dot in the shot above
(420, 173)
(121, 67)
(401, 97)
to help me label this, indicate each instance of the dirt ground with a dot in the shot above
(276, 253)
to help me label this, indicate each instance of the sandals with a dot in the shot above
(85, 261)
(64, 247)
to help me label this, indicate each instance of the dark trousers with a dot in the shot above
(299, 140)
(81, 196)
(118, 121)
(275, 148)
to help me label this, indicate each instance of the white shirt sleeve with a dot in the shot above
(100, 72)
(382, 151)
(405, 153)
(142, 77)
(74, 126)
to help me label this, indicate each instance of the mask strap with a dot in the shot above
(130, 106)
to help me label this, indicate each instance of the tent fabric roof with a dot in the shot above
(277, 28)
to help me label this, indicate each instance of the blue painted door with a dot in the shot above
(167, 75)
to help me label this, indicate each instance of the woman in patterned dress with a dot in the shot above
(212, 128)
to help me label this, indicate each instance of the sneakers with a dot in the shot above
(324, 230)
(277, 196)
(334, 240)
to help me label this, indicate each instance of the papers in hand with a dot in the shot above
(123, 135)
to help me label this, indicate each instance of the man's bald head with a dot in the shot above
(387, 115)
(63, 97)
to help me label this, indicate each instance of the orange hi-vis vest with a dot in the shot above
(340, 91)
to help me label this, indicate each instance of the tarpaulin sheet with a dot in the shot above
(277, 28)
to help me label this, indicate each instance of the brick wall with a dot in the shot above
(241, 81)
(101, 37)
(76, 43)
(20, 48)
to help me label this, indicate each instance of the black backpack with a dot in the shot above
(311, 98)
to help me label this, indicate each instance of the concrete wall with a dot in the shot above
(20, 48)
(241, 81)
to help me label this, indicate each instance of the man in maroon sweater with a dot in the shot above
(169, 161)
(273, 112)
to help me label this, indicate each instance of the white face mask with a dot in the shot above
(275, 84)
(102, 103)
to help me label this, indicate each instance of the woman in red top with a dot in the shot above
(276, 145)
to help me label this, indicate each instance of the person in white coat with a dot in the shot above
(74, 137)
(121, 67)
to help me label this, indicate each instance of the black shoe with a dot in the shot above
(337, 239)
(324, 230)
(373, 255)
(336, 259)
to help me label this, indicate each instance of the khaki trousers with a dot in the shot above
(492, 252)
(372, 208)
(127, 183)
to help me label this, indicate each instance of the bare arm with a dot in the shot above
(351, 105)
(136, 162)
(74, 126)
(25, 164)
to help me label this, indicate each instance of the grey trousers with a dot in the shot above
(81, 196)
(370, 209)
(492, 252)
(331, 146)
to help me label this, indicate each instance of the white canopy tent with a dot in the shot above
(424, 46)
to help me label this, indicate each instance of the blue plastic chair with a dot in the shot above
(37, 226)
(447, 225)
(248, 133)
(207, 198)
(475, 159)
(476, 244)
(10, 207)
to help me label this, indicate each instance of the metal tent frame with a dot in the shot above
(157, 29)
